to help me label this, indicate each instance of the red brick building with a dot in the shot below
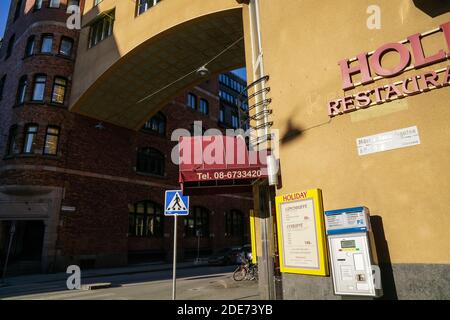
(80, 192)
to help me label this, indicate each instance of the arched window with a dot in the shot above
(22, 90)
(146, 219)
(234, 223)
(156, 124)
(150, 160)
(197, 221)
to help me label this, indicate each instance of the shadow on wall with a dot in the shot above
(293, 132)
(433, 8)
(384, 259)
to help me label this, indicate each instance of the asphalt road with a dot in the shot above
(201, 283)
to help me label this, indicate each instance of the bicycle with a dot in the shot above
(247, 271)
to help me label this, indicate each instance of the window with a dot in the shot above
(10, 46)
(38, 5)
(198, 220)
(51, 140)
(204, 107)
(221, 114)
(146, 219)
(18, 10)
(59, 90)
(234, 223)
(151, 161)
(234, 121)
(101, 29)
(192, 101)
(46, 43)
(2, 86)
(156, 124)
(29, 49)
(65, 47)
(54, 4)
(22, 90)
(11, 148)
(144, 5)
(30, 138)
(39, 87)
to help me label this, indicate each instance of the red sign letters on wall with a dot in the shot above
(413, 85)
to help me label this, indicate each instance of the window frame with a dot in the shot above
(53, 7)
(21, 95)
(233, 229)
(65, 86)
(205, 106)
(194, 97)
(160, 120)
(146, 217)
(31, 42)
(147, 7)
(37, 7)
(26, 135)
(47, 134)
(154, 158)
(12, 143)
(35, 82)
(43, 37)
(198, 213)
(71, 41)
(95, 34)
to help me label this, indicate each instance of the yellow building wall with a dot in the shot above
(408, 188)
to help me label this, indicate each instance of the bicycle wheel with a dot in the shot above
(239, 274)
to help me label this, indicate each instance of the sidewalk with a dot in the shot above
(93, 273)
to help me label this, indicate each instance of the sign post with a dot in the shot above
(175, 204)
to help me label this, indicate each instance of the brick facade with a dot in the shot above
(94, 170)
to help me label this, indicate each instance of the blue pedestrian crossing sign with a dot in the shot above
(175, 203)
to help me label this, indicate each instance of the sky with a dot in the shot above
(240, 72)
(4, 9)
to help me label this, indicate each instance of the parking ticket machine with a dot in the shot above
(352, 253)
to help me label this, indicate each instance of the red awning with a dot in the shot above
(218, 164)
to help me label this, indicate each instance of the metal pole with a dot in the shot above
(11, 235)
(174, 258)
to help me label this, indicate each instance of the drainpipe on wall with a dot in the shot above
(265, 192)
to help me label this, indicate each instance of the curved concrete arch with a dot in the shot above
(148, 52)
